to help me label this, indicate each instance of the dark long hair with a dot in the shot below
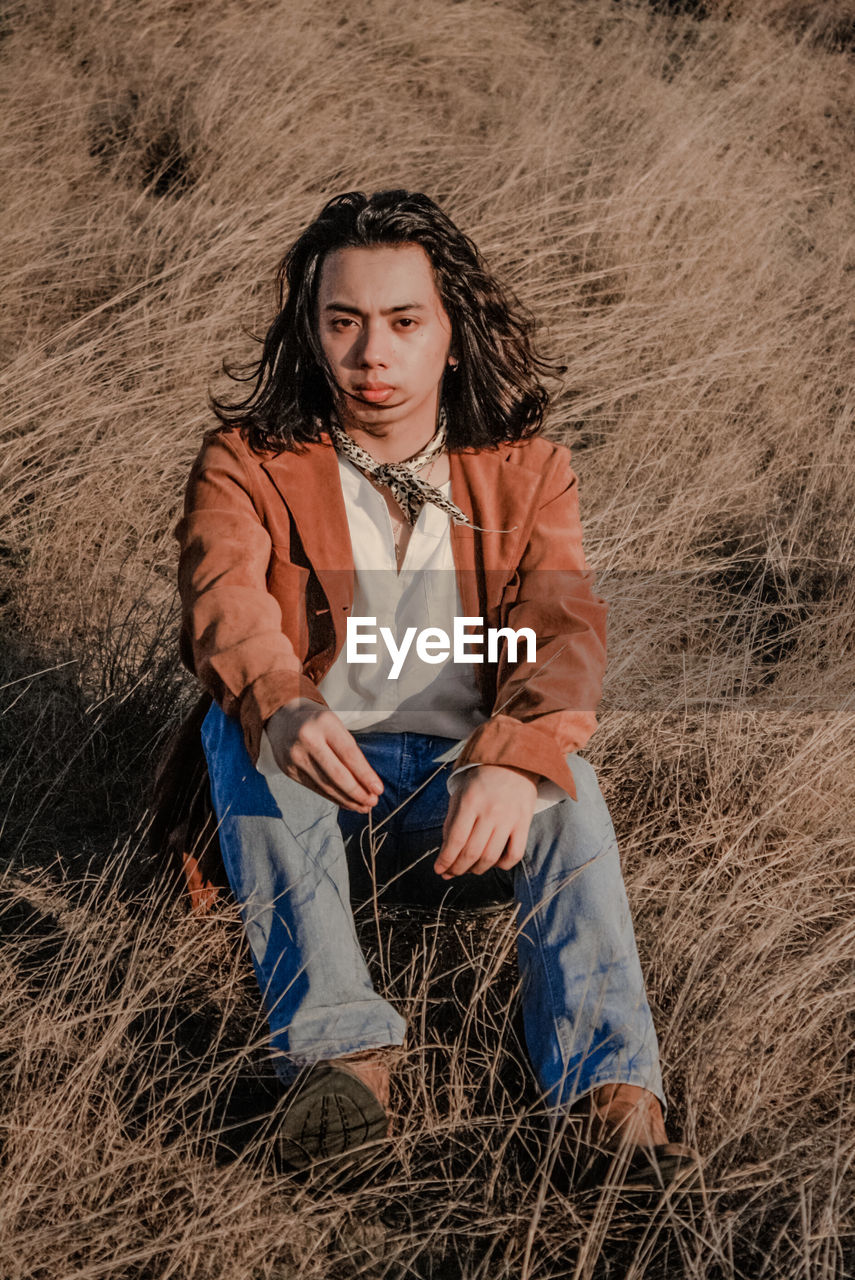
(494, 395)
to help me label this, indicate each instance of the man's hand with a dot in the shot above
(311, 745)
(488, 821)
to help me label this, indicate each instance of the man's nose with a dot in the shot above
(374, 346)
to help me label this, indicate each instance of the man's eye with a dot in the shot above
(341, 322)
(407, 321)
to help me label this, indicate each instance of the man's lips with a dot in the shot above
(376, 393)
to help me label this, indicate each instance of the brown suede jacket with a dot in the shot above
(266, 582)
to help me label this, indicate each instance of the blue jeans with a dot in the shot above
(294, 860)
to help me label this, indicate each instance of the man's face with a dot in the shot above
(386, 336)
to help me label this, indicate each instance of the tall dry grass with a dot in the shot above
(672, 195)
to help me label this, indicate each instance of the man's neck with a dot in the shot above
(391, 448)
(393, 442)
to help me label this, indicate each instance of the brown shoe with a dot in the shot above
(625, 1129)
(667, 1166)
(623, 1114)
(337, 1107)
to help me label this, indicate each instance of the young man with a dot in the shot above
(384, 485)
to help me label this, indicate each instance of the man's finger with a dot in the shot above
(456, 837)
(327, 767)
(451, 816)
(493, 851)
(473, 848)
(515, 852)
(322, 787)
(347, 749)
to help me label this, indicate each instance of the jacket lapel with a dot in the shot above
(485, 557)
(310, 487)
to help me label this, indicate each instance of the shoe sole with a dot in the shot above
(668, 1170)
(331, 1114)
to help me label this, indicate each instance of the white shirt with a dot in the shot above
(440, 699)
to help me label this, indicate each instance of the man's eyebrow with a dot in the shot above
(354, 311)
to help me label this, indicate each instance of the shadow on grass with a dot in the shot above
(78, 749)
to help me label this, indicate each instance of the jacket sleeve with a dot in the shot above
(232, 636)
(545, 709)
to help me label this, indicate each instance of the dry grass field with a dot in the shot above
(671, 193)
